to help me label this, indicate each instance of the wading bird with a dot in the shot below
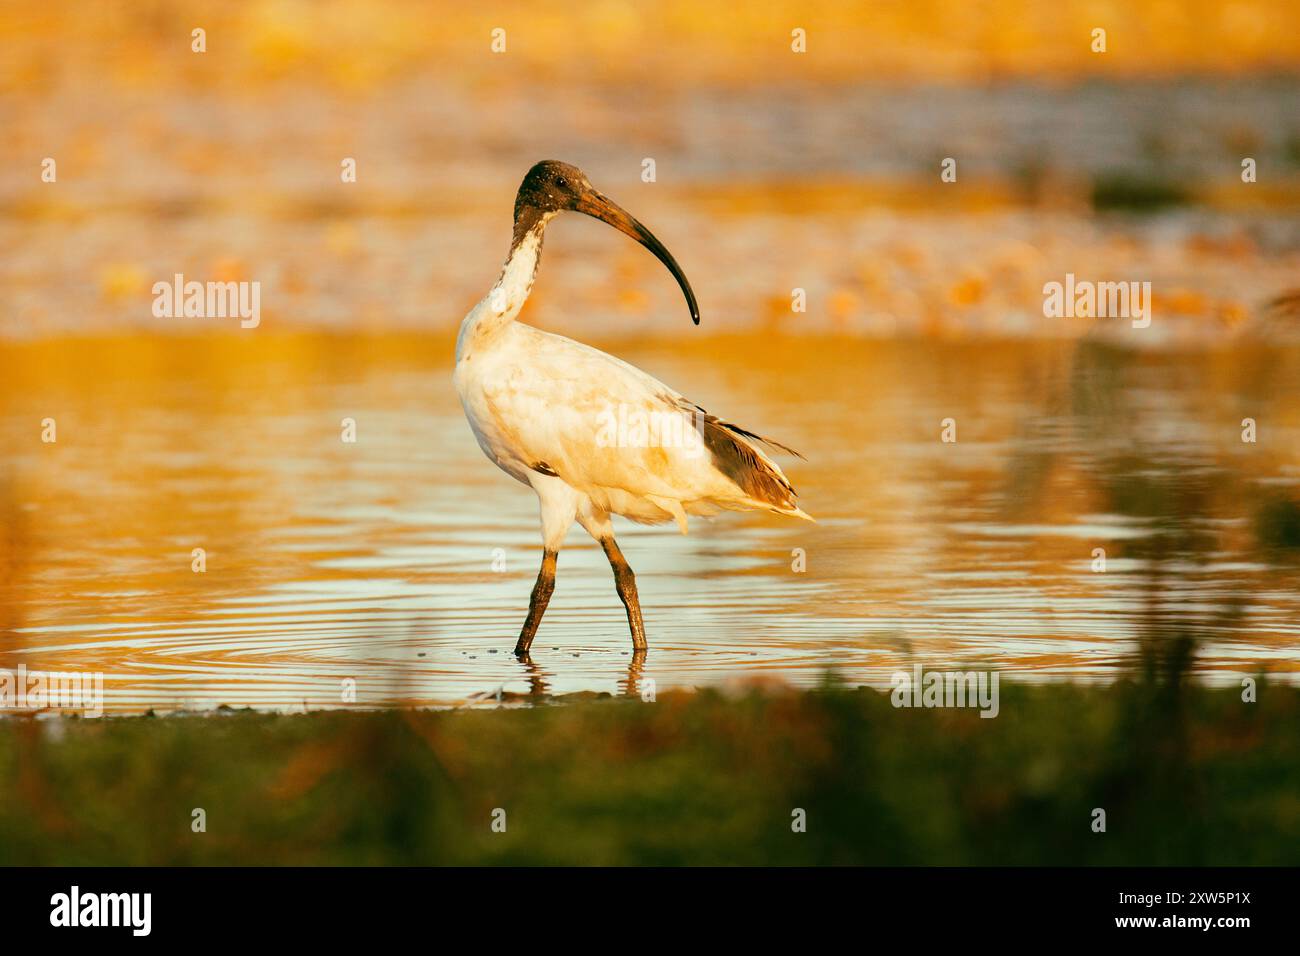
(591, 434)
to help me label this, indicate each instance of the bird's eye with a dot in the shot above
(561, 183)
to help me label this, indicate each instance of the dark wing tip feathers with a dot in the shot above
(739, 461)
(694, 409)
(736, 459)
(766, 441)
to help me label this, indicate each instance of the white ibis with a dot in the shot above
(591, 434)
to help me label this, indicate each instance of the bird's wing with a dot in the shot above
(596, 421)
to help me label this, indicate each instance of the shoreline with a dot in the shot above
(1186, 775)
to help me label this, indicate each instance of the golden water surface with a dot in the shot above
(378, 561)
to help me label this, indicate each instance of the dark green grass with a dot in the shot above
(1191, 776)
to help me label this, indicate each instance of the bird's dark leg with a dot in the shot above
(537, 603)
(625, 580)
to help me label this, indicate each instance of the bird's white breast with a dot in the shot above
(478, 375)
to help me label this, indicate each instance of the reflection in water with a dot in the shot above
(635, 668)
(538, 688)
(538, 680)
(379, 562)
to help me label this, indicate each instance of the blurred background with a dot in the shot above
(774, 170)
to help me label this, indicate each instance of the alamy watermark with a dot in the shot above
(208, 300)
(75, 908)
(46, 690)
(976, 689)
(1101, 300)
(633, 426)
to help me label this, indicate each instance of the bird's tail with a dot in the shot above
(736, 454)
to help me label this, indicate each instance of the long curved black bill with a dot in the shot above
(601, 207)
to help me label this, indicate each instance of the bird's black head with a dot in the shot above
(551, 187)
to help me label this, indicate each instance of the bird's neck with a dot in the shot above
(501, 305)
